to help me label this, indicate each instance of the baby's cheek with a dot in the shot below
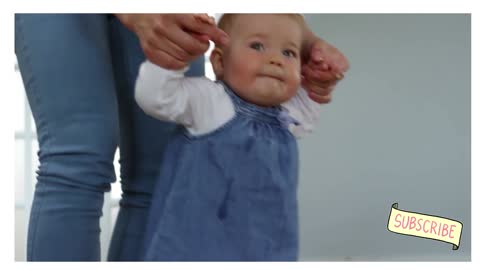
(296, 80)
(297, 77)
(242, 68)
(294, 84)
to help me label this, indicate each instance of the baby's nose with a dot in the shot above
(276, 60)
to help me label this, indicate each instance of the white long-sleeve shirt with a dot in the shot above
(202, 105)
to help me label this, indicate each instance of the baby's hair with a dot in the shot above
(226, 21)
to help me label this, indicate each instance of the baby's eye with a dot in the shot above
(257, 46)
(289, 53)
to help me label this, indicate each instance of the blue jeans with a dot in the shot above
(79, 73)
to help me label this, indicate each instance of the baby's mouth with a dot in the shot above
(272, 76)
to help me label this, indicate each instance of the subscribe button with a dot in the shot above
(426, 226)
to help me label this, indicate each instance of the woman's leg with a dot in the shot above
(142, 143)
(65, 63)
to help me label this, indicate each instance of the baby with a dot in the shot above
(228, 187)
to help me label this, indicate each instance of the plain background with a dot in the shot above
(397, 130)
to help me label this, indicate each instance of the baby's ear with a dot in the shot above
(216, 58)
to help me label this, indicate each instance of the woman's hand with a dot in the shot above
(172, 41)
(322, 67)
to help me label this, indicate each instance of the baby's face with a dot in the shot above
(262, 62)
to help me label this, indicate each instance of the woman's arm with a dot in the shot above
(172, 41)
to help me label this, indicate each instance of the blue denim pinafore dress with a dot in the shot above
(229, 195)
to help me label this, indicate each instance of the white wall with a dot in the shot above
(397, 130)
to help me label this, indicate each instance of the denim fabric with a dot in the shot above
(232, 193)
(79, 72)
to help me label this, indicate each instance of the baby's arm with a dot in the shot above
(194, 102)
(303, 109)
(160, 94)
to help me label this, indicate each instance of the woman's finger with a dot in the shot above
(165, 45)
(320, 90)
(319, 76)
(162, 58)
(216, 34)
(186, 41)
(320, 98)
